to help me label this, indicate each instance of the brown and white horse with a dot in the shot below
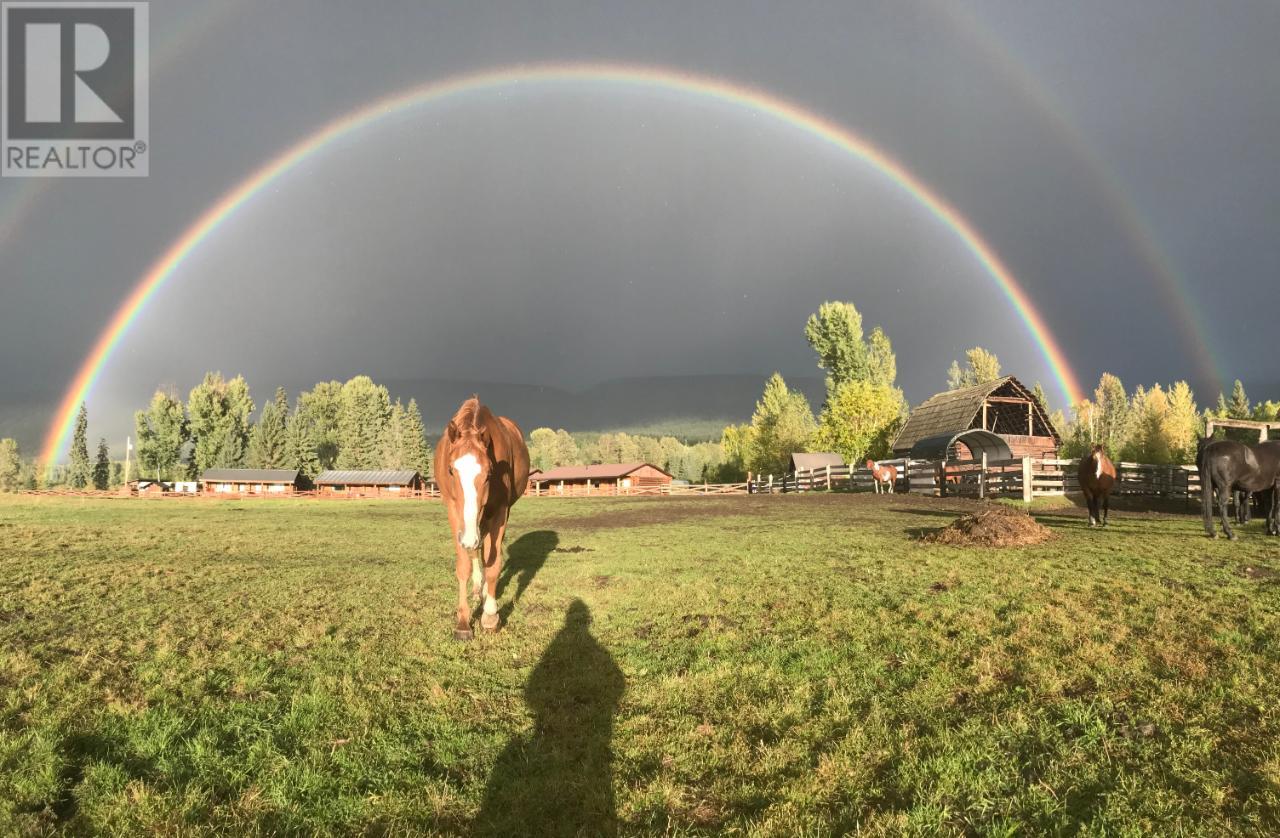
(1097, 479)
(882, 475)
(482, 468)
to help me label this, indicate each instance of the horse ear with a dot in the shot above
(451, 432)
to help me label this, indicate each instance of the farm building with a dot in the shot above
(1000, 418)
(369, 483)
(606, 477)
(249, 481)
(807, 461)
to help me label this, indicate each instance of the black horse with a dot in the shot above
(1227, 466)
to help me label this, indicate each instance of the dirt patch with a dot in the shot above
(601, 581)
(577, 548)
(1257, 572)
(995, 526)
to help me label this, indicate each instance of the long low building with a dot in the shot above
(603, 477)
(249, 481)
(362, 483)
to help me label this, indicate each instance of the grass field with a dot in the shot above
(756, 665)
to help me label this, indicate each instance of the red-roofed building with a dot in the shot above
(602, 478)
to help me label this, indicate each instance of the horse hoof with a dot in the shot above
(1232, 537)
(463, 634)
(489, 625)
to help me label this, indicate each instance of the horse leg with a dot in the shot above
(1106, 507)
(1206, 500)
(462, 631)
(1223, 495)
(492, 547)
(1089, 501)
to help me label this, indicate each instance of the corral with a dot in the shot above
(776, 665)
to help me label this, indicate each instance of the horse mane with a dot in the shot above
(471, 417)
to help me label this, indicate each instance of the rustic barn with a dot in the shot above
(249, 481)
(383, 483)
(809, 461)
(1001, 418)
(607, 477)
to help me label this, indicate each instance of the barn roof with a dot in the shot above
(250, 475)
(956, 410)
(802, 460)
(600, 471)
(377, 477)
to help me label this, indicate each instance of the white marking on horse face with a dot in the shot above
(1097, 458)
(468, 468)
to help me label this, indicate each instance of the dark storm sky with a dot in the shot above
(570, 234)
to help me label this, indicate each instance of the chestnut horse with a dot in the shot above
(1097, 479)
(882, 475)
(482, 467)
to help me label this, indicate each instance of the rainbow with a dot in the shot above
(751, 99)
(1174, 285)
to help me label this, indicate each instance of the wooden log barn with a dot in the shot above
(370, 484)
(603, 478)
(1004, 408)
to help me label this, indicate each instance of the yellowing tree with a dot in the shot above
(980, 367)
(860, 421)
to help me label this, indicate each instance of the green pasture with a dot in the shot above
(785, 665)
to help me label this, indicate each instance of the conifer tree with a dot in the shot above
(102, 467)
(417, 453)
(80, 474)
(300, 445)
(268, 443)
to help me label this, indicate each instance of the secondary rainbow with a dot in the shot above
(749, 98)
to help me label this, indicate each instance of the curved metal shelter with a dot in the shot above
(978, 441)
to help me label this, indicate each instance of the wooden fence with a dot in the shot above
(1026, 478)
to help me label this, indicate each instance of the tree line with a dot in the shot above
(351, 425)
(1156, 424)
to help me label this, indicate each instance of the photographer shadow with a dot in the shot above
(558, 779)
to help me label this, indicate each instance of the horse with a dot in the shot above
(1097, 479)
(882, 475)
(482, 468)
(1226, 466)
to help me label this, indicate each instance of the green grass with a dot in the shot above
(756, 665)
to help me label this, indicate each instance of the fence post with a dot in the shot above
(771, 484)
(941, 471)
(1026, 480)
(828, 477)
(982, 475)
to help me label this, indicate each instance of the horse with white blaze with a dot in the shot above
(482, 468)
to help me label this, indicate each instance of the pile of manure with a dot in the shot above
(994, 526)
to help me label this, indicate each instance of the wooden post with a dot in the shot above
(982, 475)
(1026, 480)
(828, 477)
(941, 471)
(1031, 420)
(984, 414)
(771, 484)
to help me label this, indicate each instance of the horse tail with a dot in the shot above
(1206, 492)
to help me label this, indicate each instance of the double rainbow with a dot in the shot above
(652, 78)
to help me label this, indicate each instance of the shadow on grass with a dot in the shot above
(524, 558)
(558, 780)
